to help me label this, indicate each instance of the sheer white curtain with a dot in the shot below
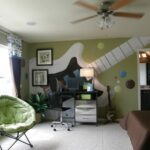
(6, 79)
(9, 69)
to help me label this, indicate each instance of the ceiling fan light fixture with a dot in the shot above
(105, 22)
(106, 11)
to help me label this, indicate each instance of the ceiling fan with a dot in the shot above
(108, 8)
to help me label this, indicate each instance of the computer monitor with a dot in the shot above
(73, 84)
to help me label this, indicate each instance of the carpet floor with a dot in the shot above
(81, 137)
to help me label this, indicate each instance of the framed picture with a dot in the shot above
(44, 57)
(39, 77)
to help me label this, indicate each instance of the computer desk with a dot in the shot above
(85, 110)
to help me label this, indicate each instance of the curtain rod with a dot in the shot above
(4, 31)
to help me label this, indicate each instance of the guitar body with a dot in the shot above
(111, 110)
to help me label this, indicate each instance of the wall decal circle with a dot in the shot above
(100, 45)
(117, 88)
(130, 84)
(122, 74)
(115, 77)
(118, 81)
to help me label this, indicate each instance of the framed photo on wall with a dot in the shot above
(44, 57)
(39, 77)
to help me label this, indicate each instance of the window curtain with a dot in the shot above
(15, 54)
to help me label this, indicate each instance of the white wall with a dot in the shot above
(142, 74)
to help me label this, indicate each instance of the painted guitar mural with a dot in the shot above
(71, 61)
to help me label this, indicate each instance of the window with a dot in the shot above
(6, 82)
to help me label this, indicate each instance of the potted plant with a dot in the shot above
(39, 103)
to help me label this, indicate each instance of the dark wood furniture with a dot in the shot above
(137, 124)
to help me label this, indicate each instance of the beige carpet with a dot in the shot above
(82, 137)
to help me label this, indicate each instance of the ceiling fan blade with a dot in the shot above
(120, 3)
(129, 15)
(87, 5)
(83, 19)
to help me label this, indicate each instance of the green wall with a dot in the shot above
(126, 99)
(91, 51)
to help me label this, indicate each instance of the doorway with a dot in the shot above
(144, 79)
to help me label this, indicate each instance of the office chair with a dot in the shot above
(56, 103)
(16, 116)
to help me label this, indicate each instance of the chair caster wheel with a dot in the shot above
(68, 129)
(54, 129)
(31, 145)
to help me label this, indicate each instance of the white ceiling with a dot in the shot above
(53, 19)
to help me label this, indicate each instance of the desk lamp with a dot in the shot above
(88, 73)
